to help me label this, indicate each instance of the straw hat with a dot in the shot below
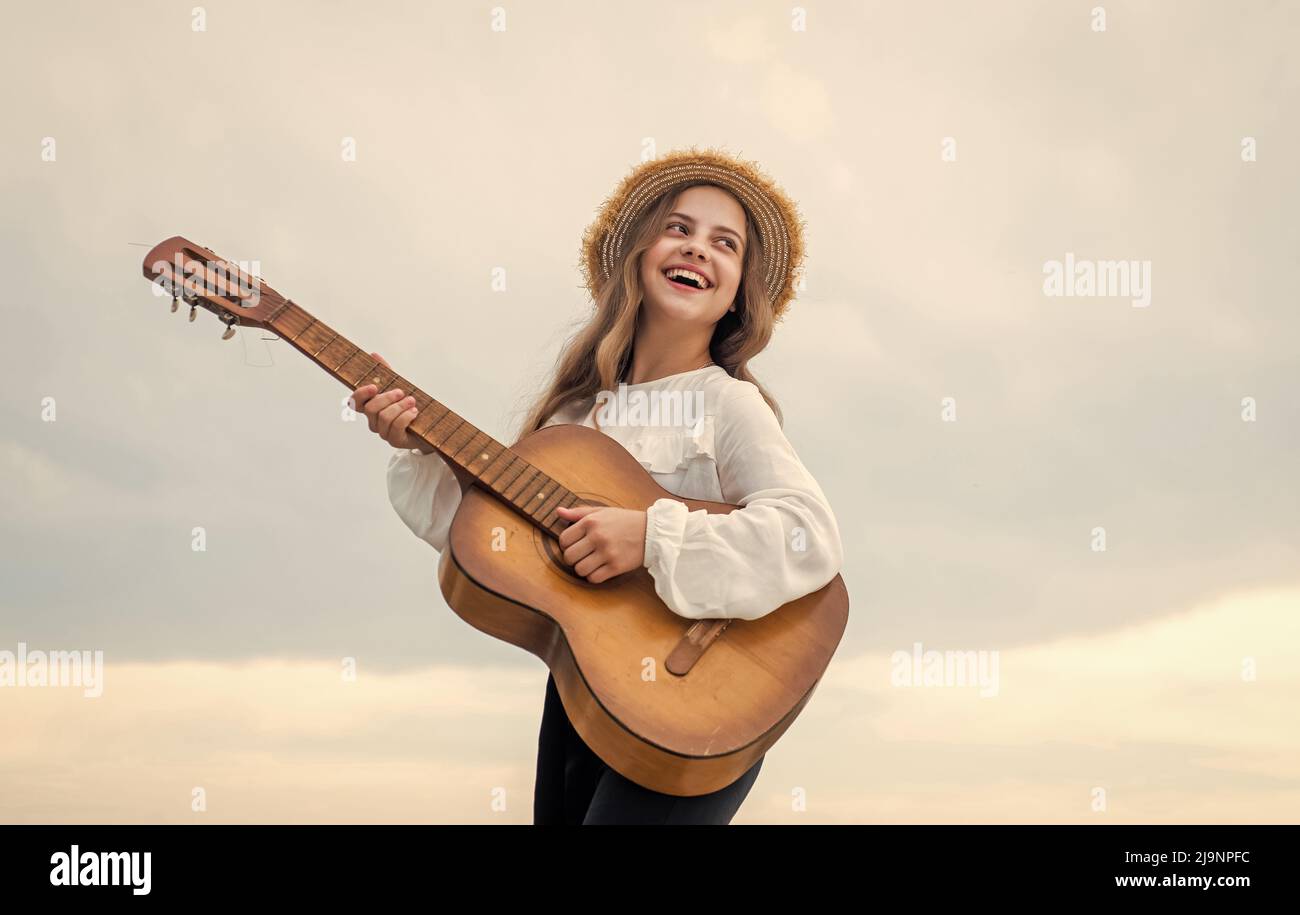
(780, 226)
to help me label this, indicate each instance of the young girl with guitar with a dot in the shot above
(691, 264)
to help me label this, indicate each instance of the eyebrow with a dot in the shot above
(690, 218)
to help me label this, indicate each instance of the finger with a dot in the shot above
(604, 573)
(398, 430)
(390, 413)
(580, 550)
(575, 517)
(382, 361)
(589, 564)
(379, 402)
(361, 395)
(573, 533)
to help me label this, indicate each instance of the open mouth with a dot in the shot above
(689, 282)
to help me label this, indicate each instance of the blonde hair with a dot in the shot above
(599, 354)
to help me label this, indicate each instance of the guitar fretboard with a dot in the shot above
(499, 470)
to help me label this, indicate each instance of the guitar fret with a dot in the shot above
(566, 500)
(276, 313)
(418, 416)
(338, 369)
(465, 433)
(553, 516)
(504, 453)
(440, 429)
(331, 340)
(510, 465)
(424, 428)
(523, 475)
(535, 488)
(483, 460)
(293, 322)
(342, 344)
(473, 446)
(350, 379)
(373, 375)
(552, 500)
(314, 339)
(295, 337)
(528, 478)
(454, 430)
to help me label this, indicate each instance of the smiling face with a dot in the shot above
(704, 233)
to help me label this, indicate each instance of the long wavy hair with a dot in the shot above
(599, 354)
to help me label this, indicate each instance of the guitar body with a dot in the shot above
(613, 647)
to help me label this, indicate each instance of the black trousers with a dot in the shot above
(576, 787)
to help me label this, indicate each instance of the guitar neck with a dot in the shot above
(493, 466)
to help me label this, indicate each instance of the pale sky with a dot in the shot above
(971, 432)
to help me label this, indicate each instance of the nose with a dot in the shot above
(690, 249)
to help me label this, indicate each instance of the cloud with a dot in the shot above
(1157, 714)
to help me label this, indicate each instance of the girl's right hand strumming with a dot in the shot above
(389, 413)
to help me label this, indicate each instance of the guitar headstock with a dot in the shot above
(184, 270)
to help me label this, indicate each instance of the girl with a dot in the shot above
(690, 264)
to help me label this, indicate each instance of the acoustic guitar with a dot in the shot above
(679, 706)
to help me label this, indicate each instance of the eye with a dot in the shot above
(730, 241)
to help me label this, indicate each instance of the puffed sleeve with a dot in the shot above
(425, 494)
(781, 544)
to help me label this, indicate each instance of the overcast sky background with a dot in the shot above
(479, 149)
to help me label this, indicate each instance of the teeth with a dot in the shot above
(678, 271)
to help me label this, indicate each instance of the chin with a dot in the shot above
(676, 309)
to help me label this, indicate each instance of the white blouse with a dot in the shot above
(701, 435)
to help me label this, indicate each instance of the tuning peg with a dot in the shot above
(175, 302)
(194, 310)
(230, 321)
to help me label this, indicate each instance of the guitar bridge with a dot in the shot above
(694, 643)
